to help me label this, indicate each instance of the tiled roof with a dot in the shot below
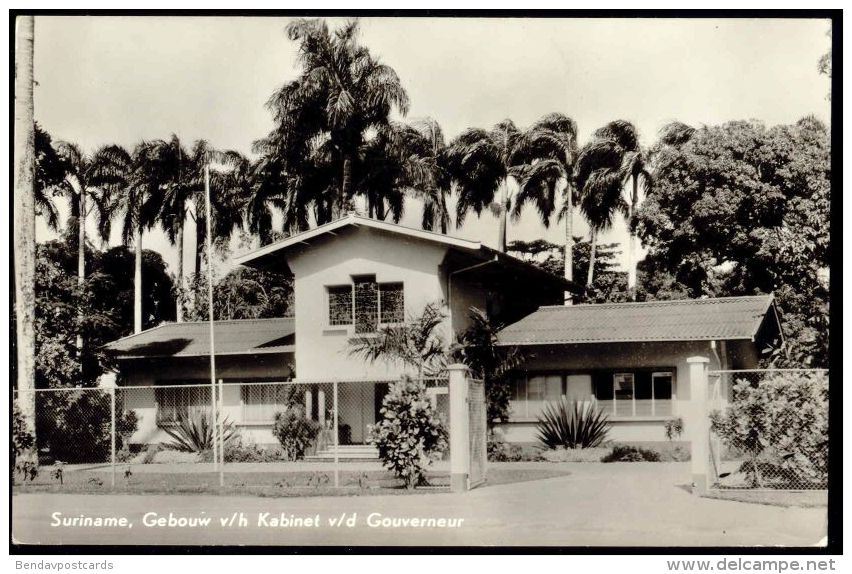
(683, 320)
(192, 339)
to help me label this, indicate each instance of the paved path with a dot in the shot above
(641, 504)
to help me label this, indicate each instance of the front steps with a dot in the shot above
(346, 452)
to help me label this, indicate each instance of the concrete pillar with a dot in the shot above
(698, 422)
(309, 402)
(459, 428)
(321, 407)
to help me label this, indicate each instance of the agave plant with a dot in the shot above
(572, 424)
(195, 433)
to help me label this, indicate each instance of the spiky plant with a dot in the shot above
(572, 424)
(194, 433)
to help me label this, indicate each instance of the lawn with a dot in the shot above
(269, 484)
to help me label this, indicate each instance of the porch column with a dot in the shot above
(309, 402)
(459, 428)
(698, 422)
(321, 407)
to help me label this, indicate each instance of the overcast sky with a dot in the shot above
(119, 80)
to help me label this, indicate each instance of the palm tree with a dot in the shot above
(24, 227)
(341, 93)
(435, 186)
(553, 143)
(480, 164)
(79, 185)
(49, 173)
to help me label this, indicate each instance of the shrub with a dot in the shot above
(77, 426)
(574, 454)
(22, 439)
(572, 424)
(411, 434)
(194, 433)
(626, 453)
(781, 424)
(674, 428)
(295, 431)
(501, 451)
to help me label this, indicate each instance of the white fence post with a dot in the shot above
(336, 438)
(112, 433)
(698, 423)
(459, 428)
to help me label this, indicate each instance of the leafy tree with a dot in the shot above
(740, 209)
(609, 285)
(244, 293)
(49, 173)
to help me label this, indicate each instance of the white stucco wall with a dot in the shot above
(663, 356)
(321, 349)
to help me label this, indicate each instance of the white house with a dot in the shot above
(357, 274)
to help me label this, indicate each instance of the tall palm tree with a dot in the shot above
(341, 94)
(635, 167)
(553, 143)
(49, 173)
(436, 184)
(481, 163)
(24, 227)
(132, 180)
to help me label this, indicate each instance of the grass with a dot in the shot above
(268, 484)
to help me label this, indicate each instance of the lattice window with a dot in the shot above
(391, 303)
(340, 305)
(366, 304)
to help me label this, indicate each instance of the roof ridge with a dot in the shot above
(205, 321)
(657, 302)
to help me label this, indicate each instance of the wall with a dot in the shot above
(580, 358)
(322, 350)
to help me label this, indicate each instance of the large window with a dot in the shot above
(635, 393)
(176, 402)
(261, 402)
(366, 304)
(532, 393)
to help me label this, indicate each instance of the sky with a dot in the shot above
(103, 80)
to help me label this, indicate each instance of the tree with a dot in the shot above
(244, 293)
(739, 209)
(480, 164)
(322, 119)
(435, 183)
(24, 227)
(49, 173)
(553, 140)
(603, 166)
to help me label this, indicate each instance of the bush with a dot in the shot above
(781, 424)
(295, 431)
(501, 451)
(571, 424)
(194, 433)
(22, 438)
(674, 428)
(574, 454)
(625, 453)
(77, 426)
(411, 434)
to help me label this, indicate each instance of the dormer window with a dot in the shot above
(366, 304)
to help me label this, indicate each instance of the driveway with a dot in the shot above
(626, 504)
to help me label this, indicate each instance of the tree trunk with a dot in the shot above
(81, 269)
(504, 215)
(631, 241)
(180, 280)
(345, 188)
(569, 240)
(199, 241)
(137, 281)
(590, 275)
(24, 227)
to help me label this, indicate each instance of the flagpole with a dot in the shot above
(213, 401)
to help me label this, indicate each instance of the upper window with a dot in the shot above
(366, 304)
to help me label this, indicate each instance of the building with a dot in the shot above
(355, 275)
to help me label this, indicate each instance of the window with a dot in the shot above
(261, 402)
(176, 402)
(532, 393)
(635, 394)
(366, 304)
(340, 305)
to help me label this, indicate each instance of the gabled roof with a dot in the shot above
(267, 254)
(192, 339)
(725, 318)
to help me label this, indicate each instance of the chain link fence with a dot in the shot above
(478, 429)
(289, 434)
(769, 429)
